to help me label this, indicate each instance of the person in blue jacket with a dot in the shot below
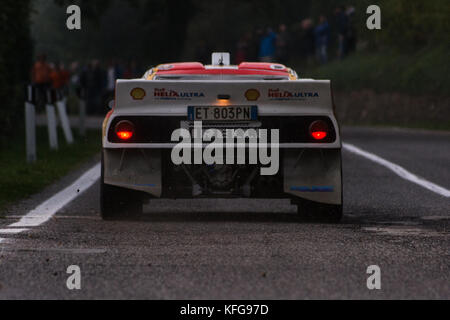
(322, 38)
(267, 46)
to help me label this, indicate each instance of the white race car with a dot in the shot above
(186, 130)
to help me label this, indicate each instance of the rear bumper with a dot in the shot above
(307, 173)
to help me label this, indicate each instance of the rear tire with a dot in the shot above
(319, 212)
(118, 202)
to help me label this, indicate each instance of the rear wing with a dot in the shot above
(298, 97)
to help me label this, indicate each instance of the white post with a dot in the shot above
(30, 95)
(62, 111)
(51, 122)
(30, 131)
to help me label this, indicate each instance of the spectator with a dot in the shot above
(41, 78)
(65, 78)
(307, 47)
(351, 33)
(119, 70)
(111, 77)
(254, 43)
(242, 48)
(93, 81)
(267, 46)
(75, 73)
(282, 44)
(65, 75)
(342, 24)
(57, 77)
(322, 38)
(60, 80)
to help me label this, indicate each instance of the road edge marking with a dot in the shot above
(11, 231)
(398, 170)
(48, 208)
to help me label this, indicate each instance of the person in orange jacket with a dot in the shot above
(60, 79)
(55, 75)
(41, 78)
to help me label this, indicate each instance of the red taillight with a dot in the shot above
(124, 135)
(319, 135)
(319, 130)
(124, 130)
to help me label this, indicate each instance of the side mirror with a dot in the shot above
(111, 104)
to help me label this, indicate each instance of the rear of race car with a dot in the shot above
(222, 138)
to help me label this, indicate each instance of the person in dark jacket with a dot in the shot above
(93, 81)
(307, 40)
(254, 42)
(282, 44)
(322, 38)
(342, 24)
(351, 34)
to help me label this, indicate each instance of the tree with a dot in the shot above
(15, 62)
(158, 27)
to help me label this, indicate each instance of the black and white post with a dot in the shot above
(30, 125)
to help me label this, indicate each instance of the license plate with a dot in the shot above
(213, 113)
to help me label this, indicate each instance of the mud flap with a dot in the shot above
(314, 174)
(134, 169)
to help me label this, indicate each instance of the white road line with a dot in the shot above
(12, 231)
(47, 209)
(403, 173)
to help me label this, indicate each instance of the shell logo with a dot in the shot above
(138, 93)
(252, 95)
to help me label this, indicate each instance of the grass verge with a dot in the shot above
(402, 89)
(426, 72)
(19, 180)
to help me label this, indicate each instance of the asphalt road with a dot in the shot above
(246, 249)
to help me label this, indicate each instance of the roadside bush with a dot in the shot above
(15, 61)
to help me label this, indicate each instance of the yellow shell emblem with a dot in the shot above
(252, 95)
(138, 93)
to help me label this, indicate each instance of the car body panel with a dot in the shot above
(310, 171)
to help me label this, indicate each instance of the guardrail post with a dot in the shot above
(62, 111)
(30, 126)
(51, 122)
